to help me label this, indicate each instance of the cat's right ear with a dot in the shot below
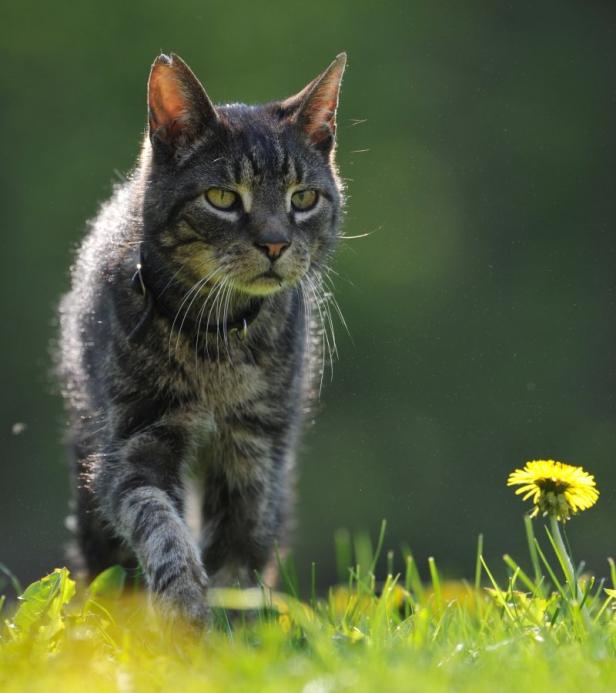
(179, 110)
(314, 108)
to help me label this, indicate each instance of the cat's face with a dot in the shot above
(244, 194)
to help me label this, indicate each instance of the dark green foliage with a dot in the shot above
(481, 308)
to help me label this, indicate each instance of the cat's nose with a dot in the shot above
(273, 250)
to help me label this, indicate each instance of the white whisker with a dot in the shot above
(219, 287)
(225, 315)
(325, 343)
(194, 292)
(332, 298)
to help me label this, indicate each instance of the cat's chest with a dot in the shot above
(229, 385)
(223, 391)
(225, 378)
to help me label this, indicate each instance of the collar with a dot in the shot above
(239, 324)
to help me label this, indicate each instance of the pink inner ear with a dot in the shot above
(166, 97)
(319, 118)
(318, 114)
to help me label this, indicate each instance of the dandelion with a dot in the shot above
(557, 489)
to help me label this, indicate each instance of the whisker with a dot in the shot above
(361, 235)
(307, 309)
(177, 314)
(175, 274)
(225, 315)
(216, 291)
(195, 289)
(211, 295)
(328, 299)
(218, 301)
(200, 285)
(334, 301)
(324, 336)
(199, 321)
(199, 318)
(324, 297)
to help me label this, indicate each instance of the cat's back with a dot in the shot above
(84, 310)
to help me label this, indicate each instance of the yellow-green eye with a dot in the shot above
(304, 199)
(221, 198)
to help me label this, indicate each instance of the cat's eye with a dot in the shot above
(303, 200)
(221, 198)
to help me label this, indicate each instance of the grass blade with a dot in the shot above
(478, 562)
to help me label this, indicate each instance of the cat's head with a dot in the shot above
(245, 193)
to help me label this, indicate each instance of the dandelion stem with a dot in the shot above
(564, 555)
(567, 564)
(530, 537)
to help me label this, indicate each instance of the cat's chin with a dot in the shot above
(264, 286)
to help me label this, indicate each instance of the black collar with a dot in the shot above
(238, 323)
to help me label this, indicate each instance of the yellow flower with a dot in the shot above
(557, 489)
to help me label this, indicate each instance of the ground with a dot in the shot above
(534, 633)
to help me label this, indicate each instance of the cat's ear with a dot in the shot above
(314, 108)
(179, 110)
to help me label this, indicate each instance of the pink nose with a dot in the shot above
(273, 250)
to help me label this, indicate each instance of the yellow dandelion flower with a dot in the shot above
(556, 489)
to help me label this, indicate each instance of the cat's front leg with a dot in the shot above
(139, 491)
(247, 498)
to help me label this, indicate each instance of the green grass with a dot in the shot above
(535, 632)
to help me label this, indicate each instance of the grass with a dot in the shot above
(537, 631)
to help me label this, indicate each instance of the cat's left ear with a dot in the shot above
(179, 110)
(314, 108)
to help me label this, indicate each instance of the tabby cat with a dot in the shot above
(190, 340)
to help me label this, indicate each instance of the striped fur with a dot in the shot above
(158, 391)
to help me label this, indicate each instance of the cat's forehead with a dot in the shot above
(260, 149)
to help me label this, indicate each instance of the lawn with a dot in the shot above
(540, 630)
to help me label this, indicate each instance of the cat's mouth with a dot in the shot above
(271, 274)
(260, 279)
(265, 283)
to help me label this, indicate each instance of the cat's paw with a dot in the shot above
(189, 609)
(184, 599)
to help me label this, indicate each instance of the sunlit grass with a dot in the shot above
(393, 632)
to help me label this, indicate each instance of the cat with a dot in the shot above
(190, 341)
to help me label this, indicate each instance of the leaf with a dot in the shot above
(109, 584)
(42, 603)
(12, 579)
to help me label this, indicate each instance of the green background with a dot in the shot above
(481, 306)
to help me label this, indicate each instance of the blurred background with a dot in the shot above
(477, 142)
